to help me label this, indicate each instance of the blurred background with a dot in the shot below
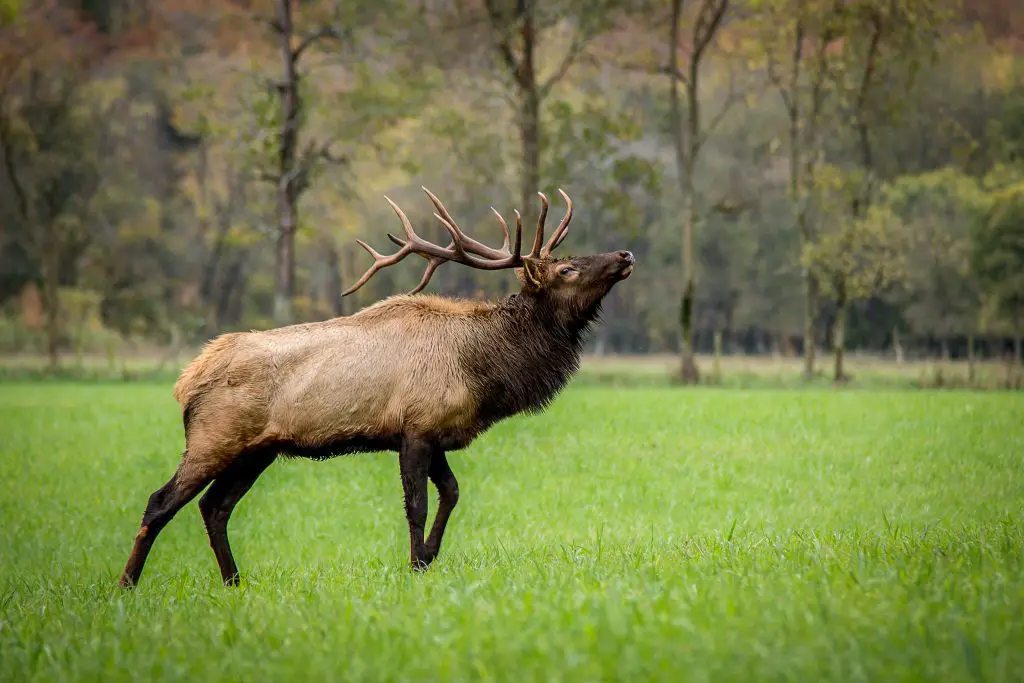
(818, 190)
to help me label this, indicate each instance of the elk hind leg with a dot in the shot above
(220, 500)
(163, 504)
(448, 497)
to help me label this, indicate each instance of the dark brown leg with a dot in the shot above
(220, 500)
(448, 497)
(163, 505)
(414, 464)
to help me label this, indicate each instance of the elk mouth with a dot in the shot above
(625, 264)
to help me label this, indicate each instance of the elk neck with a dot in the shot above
(525, 355)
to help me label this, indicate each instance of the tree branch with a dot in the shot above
(576, 48)
(503, 46)
(731, 98)
(314, 37)
(711, 14)
(313, 153)
(267, 83)
(7, 149)
(654, 70)
(270, 22)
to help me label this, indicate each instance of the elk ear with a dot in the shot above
(531, 275)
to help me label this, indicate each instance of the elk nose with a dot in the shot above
(626, 256)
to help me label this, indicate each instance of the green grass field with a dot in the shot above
(641, 534)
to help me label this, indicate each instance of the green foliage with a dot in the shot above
(1013, 126)
(854, 255)
(597, 136)
(938, 210)
(998, 256)
(9, 10)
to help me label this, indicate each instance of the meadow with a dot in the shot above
(648, 533)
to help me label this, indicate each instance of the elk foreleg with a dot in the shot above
(414, 464)
(448, 497)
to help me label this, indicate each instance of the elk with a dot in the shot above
(417, 374)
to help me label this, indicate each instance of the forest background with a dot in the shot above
(796, 177)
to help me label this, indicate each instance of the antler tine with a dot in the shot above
(468, 243)
(379, 261)
(504, 229)
(538, 239)
(432, 265)
(563, 227)
(518, 232)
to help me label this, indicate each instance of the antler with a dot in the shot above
(462, 249)
(560, 232)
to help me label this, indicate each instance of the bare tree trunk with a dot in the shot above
(1018, 355)
(529, 119)
(51, 302)
(944, 348)
(970, 358)
(287, 210)
(684, 138)
(839, 334)
(897, 345)
(716, 367)
(810, 322)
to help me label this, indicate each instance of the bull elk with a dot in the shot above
(417, 374)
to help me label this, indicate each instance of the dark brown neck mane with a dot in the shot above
(524, 356)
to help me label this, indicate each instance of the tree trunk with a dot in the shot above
(944, 348)
(529, 115)
(285, 269)
(716, 367)
(287, 210)
(688, 370)
(529, 134)
(810, 320)
(839, 335)
(685, 143)
(51, 302)
(897, 346)
(970, 359)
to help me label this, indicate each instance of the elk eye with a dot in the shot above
(566, 270)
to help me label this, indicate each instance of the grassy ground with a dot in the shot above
(645, 534)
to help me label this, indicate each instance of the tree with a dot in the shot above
(689, 133)
(294, 165)
(854, 254)
(883, 41)
(938, 209)
(49, 144)
(687, 56)
(997, 255)
(517, 30)
(798, 40)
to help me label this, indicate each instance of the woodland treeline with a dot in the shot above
(843, 172)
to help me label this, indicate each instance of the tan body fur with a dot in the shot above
(378, 373)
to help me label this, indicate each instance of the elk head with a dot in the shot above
(573, 287)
